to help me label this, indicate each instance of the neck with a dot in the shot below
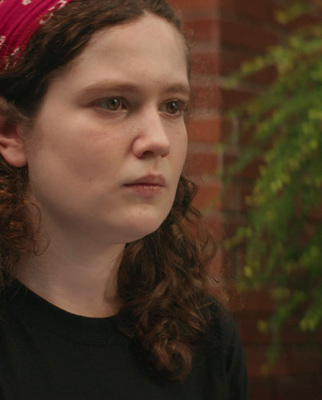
(80, 280)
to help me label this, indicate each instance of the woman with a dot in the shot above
(106, 292)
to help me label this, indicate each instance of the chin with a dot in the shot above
(142, 228)
(141, 233)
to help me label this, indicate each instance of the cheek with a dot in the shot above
(180, 154)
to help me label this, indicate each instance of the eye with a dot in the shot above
(111, 104)
(174, 107)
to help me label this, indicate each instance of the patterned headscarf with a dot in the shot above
(19, 19)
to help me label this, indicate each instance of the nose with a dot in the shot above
(151, 138)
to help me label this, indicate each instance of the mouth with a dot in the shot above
(147, 186)
(148, 180)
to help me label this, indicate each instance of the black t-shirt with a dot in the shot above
(49, 354)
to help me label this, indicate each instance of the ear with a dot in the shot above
(12, 146)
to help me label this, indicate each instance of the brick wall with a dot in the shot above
(226, 33)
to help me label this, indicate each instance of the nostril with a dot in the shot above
(152, 154)
(151, 143)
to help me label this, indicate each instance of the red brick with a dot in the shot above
(205, 98)
(229, 229)
(227, 7)
(256, 357)
(318, 4)
(305, 359)
(205, 63)
(216, 264)
(259, 10)
(231, 61)
(231, 98)
(291, 334)
(305, 20)
(245, 191)
(205, 30)
(296, 388)
(316, 213)
(249, 172)
(249, 331)
(247, 36)
(245, 28)
(259, 302)
(235, 196)
(193, 5)
(231, 221)
(215, 228)
(208, 196)
(292, 361)
(227, 128)
(201, 163)
(205, 130)
(317, 384)
(262, 389)
(230, 198)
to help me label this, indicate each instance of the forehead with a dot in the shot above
(144, 30)
(147, 47)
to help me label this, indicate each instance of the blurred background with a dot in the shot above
(256, 153)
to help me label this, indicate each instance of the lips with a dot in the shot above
(148, 180)
(147, 186)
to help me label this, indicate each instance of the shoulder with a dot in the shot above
(224, 351)
(222, 329)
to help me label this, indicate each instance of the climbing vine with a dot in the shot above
(283, 229)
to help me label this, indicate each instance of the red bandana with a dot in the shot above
(19, 19)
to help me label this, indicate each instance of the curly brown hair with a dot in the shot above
(163, 280)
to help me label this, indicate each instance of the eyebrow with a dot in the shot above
(98, 87)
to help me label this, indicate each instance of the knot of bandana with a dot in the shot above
(19, 19)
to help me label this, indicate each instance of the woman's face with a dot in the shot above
(108, 145)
